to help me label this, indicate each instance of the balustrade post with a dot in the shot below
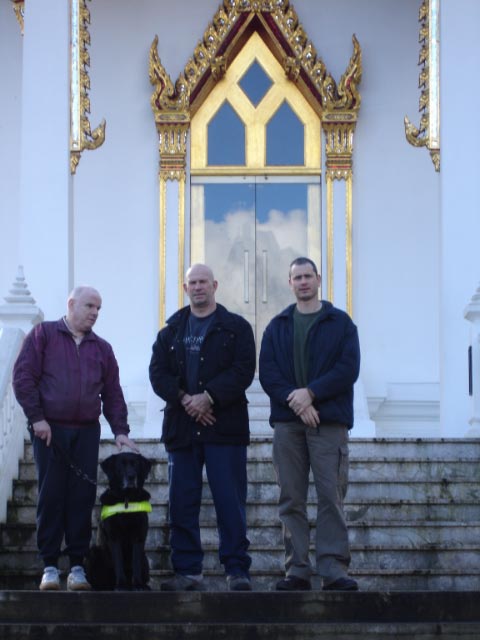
(17, 317)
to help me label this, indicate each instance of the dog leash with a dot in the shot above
(67, 459)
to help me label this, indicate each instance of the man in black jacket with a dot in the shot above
(203, 361)
(309, 361)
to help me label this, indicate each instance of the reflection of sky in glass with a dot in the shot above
(226, 138)
(221, 199)
(255, 83)
(284, 197)
(285, 138)
(267, 242)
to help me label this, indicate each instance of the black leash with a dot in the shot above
(69, 462)
(58, 449)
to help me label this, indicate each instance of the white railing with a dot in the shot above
(12, 420)
(17, 317)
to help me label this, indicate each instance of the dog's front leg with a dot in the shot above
(121, 583)
(138, 578)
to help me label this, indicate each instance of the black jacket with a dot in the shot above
(227, 367)
(334, 364)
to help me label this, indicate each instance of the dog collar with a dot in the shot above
(122, 507)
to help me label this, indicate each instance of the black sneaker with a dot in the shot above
(342, 584)
(292, 583)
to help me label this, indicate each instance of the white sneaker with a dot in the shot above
(50, 579)
(76, 580)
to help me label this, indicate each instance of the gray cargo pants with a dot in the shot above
(296, 449)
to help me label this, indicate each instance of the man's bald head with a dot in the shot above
(83, 305)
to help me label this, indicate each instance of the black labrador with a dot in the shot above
(118, 561)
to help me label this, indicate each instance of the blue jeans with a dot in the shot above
(65, 501)
(226, 467)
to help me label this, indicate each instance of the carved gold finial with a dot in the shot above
(428, 132)
(171, 109)
(19, 8)
(82, 136)
(341, 105)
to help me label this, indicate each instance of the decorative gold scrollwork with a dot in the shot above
(171, 108)
(427, 134)
(345, 97)
(19, 8)
(82, 136)
(339, 118)
(167, 97)
(292, 68)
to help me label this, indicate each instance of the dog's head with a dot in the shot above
(126, 471)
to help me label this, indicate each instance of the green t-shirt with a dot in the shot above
(302, 322)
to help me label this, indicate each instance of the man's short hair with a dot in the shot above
(300, 261)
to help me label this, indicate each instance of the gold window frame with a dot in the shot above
(255, 119)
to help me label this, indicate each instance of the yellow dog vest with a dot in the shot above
(122, 507)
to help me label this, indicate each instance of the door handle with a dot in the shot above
(264, 276)
(246, 284)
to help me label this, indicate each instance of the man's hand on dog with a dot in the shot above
(198, 406)
(122, 440)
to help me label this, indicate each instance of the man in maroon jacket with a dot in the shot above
(64, 376)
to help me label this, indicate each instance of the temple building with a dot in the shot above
(140, 136)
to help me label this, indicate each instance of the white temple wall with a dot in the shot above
(10, 118)
(116, 186)
(396, 198)
(460, 219)
(396, 190)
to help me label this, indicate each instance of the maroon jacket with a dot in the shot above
(55, 380)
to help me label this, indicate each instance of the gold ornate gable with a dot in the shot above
(277, 22)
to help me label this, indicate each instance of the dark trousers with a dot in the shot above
(226, 468)
(65, 500)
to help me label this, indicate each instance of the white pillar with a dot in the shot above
(11, 44)
(45, 243)
(472, 314)
(172, 301)
(460, 197)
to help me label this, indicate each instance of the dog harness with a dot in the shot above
(125, 507)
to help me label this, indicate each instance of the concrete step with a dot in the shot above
(243, 616)
(261, 532)
(370, 579)
(463, 509)
(367, 558)
(377, 448)
(260, 469)
(428, 491)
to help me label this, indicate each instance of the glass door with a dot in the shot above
(248, 230)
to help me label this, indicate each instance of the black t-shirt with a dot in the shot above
(195, 332)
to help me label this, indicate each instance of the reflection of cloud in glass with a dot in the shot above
(279, 240)
(289, 229)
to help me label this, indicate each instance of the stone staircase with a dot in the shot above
(413, 507)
